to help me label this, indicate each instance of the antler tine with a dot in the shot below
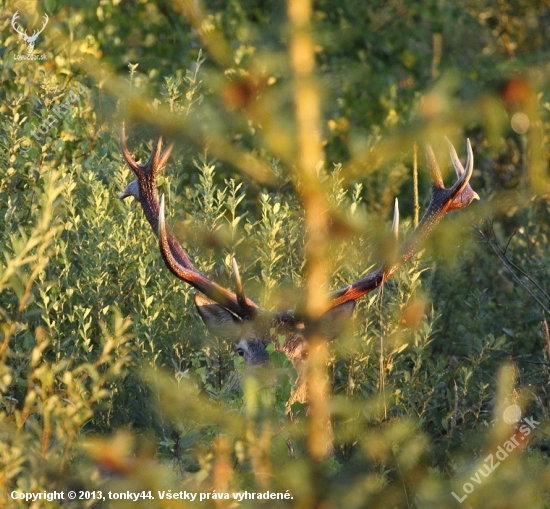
(433, 167)
(395, 222)
(135, 167)
(156, 159)
(14, 18)
(443, 200)
(189, 274)
(143, 189)
(461, 185)
(239, 288)
(37, 32)
(457, 165)
(461, 194)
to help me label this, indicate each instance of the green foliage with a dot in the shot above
(108, 380)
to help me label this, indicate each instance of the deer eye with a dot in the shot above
(240, 351)
(303, 354)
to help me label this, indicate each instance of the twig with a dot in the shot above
(508, 265)
(415, 184)
(534, 362)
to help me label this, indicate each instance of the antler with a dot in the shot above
(443, 200)
(13, 19)
(36, 33)
(144, 190)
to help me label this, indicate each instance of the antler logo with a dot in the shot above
(29, 39)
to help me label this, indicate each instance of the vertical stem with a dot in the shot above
(546, 332)
(310, 155)
(436, 57)
(415, 184)
(382, 363)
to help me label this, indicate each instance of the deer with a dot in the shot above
(29, 39)
(234, 317)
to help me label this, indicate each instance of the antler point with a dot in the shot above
(395, 223)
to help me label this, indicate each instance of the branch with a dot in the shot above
(508, 264)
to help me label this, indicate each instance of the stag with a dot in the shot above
(29, 39)
(234, 317)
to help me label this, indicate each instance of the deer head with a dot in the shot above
(234, 317)
(29, 39)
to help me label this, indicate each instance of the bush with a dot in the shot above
(109, 381)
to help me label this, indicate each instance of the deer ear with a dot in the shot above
(218, 320)
(334, 320)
